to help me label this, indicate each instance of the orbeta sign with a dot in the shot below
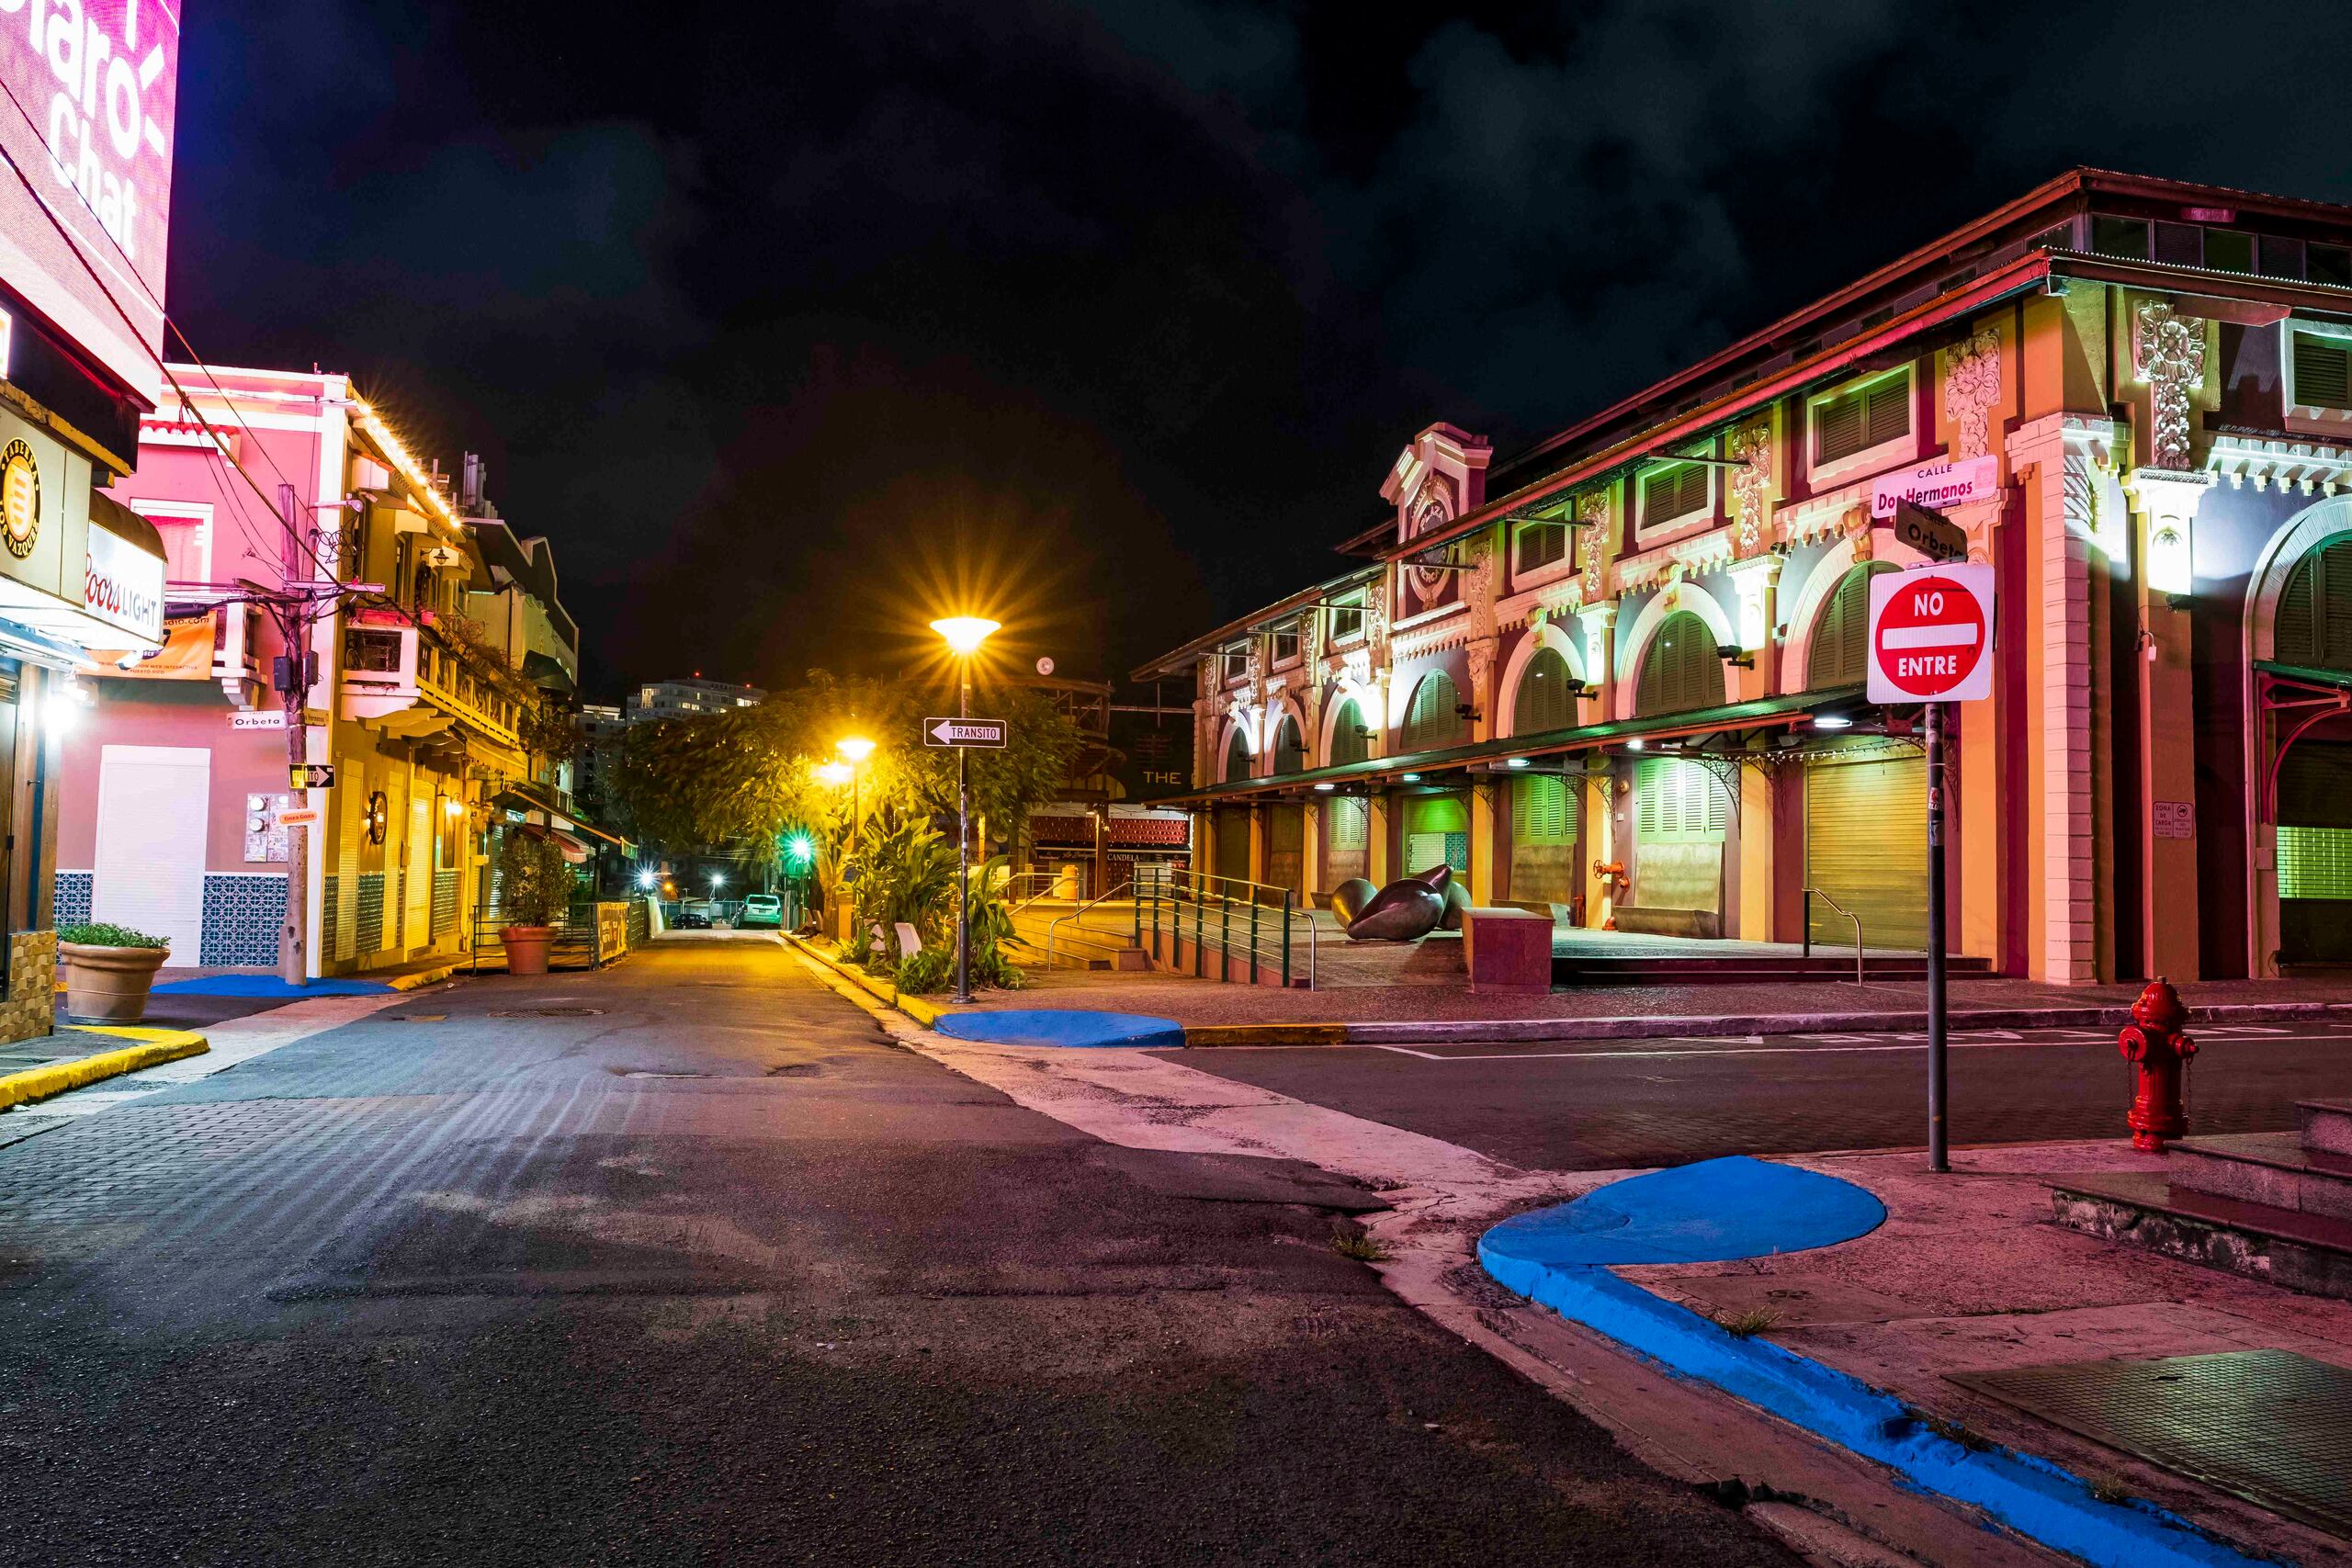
(1931, 635)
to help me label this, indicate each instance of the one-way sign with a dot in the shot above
(989, 732)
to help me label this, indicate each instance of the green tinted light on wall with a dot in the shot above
(1411, 778)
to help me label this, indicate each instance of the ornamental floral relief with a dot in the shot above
(1478, 587)
(1375, 624)
(1972, 386)
(1751, 486)
(1481, 664)
(1593, 515)
(2169, 351)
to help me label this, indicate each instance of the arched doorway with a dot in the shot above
(1351, 736)
(1546, 697)
(1237, 758)
(2312, 630)
(1865, 806)
(1289, 753)
(1434, 721)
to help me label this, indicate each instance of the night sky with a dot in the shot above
(790, 323)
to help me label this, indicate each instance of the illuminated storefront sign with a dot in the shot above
(88, 117)
(19, 498)
(123, 585)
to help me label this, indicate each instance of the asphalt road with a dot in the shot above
(1611, 1104)
(685, 1263)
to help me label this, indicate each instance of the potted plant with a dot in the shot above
(535, 892)
(109, 971)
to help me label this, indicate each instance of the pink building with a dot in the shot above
(425, 682)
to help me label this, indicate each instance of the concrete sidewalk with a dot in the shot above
(78, 1054)
(1238, 1015)
(1968, 1276)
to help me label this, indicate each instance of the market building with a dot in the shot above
(437, 652)
(1620, 675)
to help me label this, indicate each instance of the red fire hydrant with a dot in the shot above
(2156, 1045)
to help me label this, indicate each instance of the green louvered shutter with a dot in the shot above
(1431, 724)
(1543, 701)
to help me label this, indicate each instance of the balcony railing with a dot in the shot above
(390, 667)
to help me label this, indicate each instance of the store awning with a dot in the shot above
(1760, 714)
(518, 797)
(187, 654)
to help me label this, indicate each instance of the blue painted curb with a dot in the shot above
(266, 986)
(1057, 1026)
(2034, 1496)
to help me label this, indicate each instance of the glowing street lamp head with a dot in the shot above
(965, 633)
(835, 774)
(800, 849)
(856, 748)
(719, 879)
(645, 879)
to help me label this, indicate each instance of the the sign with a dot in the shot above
(1931, 635)
(90, 132)
(299, 816)
(260, 718)
(122, 585)
(1931, 534)
(1936, 485)
(2175, 819)
(989, 732)
(311, 775)
(19, 498)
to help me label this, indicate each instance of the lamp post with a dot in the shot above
(963, 635)
(854, 749)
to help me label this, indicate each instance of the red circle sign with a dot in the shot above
(1931, 635)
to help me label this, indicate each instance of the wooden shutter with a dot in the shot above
(1889, 416)
(1856, 421)
(1542, 545)
(1233, 842)
(1347, 819)
(1543, 701)
(1676, 490)
(1286, 847)
(1680, 671)
(1866, 846)
(1543, 810)
(2323, 372)
(1236, 759)
(1838, 428)
(1840, 648)
(1290, 756)
(2312, 625)
(1431, 723)
(1678, 801)
(1347, 746)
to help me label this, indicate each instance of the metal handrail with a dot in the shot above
(1842, 909)
(1074, 914)
(1260, 942)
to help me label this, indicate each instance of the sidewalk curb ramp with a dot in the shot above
(145, 1048)
(2031, 1495)
(1655, 1026)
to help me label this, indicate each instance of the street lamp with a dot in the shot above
(854, 749)
(963, 635)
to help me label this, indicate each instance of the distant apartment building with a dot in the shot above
(693, 698)
(601, 728)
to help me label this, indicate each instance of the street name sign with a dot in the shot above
(311, 775)
(1931, 635)
(1936, 484)
(1931, 534)
(960, 732)
(299, 816)
(260, 718)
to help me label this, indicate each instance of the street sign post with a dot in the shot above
(1931, 641)
(989, 733)
(1931, 534)
(312, 775)
(259, 718)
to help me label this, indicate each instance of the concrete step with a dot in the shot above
(2326, 1125)
(2271, 1169)
(1076, 945)
(2301, 1251)
(1700, 969)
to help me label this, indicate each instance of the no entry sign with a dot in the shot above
(1931, 635)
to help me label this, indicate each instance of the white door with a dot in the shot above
(153, 804)
(416, 929)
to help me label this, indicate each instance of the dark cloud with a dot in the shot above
(771, 318)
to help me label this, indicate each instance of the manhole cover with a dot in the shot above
(2269, 1425)
(547, 1012)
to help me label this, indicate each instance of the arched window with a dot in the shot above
(1839, 654)
(1290, 756)
(1545, 699)
(1237, 757)
(1431, 723)
(1680, 669)
(2314, 622)
(1349, 742)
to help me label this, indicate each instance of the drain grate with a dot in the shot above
(2269, 1425)
(547, 1012)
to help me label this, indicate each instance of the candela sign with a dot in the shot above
(1937, 486)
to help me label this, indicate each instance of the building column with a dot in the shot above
(1257, 844)
(2164, 505)
(1486, 850)
(1310, 850)
(2063, 453)
(1756, 844)
(1598, 808)
(1757, 583)
(1376, 823)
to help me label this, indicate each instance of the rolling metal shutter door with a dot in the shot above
(1866, 846)
(153, 806)
(1233, 842)
(1543, 837)
(1286, 848)
(2315, 854)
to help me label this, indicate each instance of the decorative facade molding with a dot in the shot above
(2169, 351)
(1751, 486)
(1972, 386)
(2306, 467)
(1593, 534)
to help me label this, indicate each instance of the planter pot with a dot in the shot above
(108, 985)
(527, 948)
